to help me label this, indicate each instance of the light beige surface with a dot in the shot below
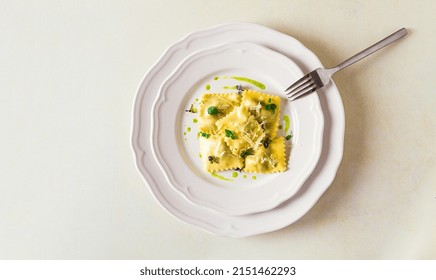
(68, 185)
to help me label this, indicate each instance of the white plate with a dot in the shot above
(201, 217)
(175, 135)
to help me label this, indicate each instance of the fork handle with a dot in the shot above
(383, 43)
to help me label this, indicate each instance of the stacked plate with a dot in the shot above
(165, 134)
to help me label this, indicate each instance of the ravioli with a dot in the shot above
(265, 108)
(217, 156)
(214, 107)
(239, 131)
(268, 158)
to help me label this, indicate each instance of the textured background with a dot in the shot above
(69, 189)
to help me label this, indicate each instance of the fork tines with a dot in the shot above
(301, 87)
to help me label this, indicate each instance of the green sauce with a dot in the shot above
(207, 87)
(244, 176)
(254, 177)
(188, 129)
(195, 121)
(242, 79)
(287, 123)
(235, 174)
(220, 177)
(251, 81)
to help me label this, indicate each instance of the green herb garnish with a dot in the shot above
(204, 134)
(271, 107)
(266, 142)
(289, 136)
(212, 110)
(213, 159)
(192, 109)
(239, 88)
(230, 134)
(246, 153)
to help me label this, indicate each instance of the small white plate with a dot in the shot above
(175, 132)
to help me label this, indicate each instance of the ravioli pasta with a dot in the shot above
(218, 154)
(224, 103)
(239, 131)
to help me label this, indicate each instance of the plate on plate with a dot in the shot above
(175, 134)
(201, 217)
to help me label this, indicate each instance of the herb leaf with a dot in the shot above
(204, 134)
(230, 134)
(191, 109)
(266, 142)
(289, 136)
(212, 110)
(271, 107)
(213, 159)
(246, 153)
(239, 88)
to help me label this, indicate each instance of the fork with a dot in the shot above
(321, 77)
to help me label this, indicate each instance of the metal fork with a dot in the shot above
(321, 77)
